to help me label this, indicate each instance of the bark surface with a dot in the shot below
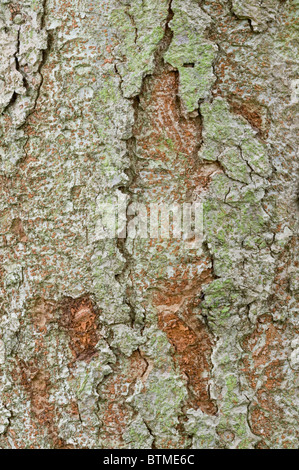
(123, 342)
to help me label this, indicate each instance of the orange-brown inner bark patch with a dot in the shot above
(14, 10)
(17, 229)
(163, 133)
(236, 79)
(35, 379)
(160, 102)
(35, 376)
(79, 318)
(264, 366)
(189, 336)
(37, 382)
(253, 113)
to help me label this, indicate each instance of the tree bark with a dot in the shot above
(114, 340)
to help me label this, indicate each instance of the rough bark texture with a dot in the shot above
(140, 343)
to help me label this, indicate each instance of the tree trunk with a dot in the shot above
(114, 335)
